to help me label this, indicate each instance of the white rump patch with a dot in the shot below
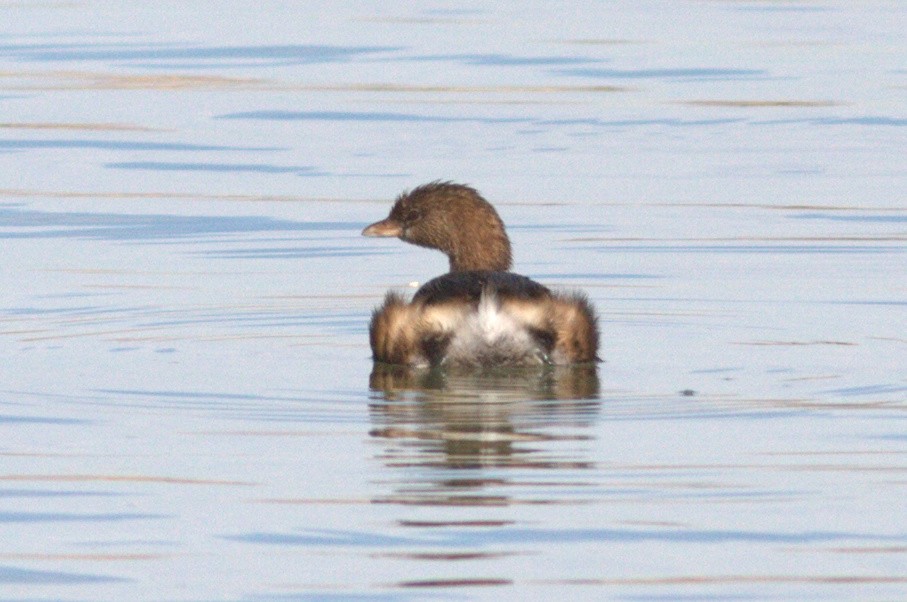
(492, 335)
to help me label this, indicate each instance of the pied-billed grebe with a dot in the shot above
(479, 314)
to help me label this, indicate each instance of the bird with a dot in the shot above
(479, 314)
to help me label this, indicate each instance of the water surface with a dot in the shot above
(188, 409)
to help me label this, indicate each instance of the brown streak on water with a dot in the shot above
(810, 378)
(454, 583)
(871, 550)
(86, 80)
(472, 501)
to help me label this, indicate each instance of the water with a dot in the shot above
(188, 410)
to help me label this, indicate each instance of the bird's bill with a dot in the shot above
(386, 227)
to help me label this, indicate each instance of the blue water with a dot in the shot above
(188, 408)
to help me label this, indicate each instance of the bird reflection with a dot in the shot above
(458, 436)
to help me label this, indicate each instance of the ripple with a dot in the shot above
(698, 73)
(217, 167)
(70, 517)
(869, 121)
(14, 575)
(197, 56)
(505, 60)
(9, 419)
(365, 116)
(484, 537)
(121, 145)
(18, 223)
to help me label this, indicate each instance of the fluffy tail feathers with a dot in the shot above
(491, 331)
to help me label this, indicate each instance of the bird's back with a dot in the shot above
(469, 286)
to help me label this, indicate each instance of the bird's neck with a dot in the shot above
(491, 255)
